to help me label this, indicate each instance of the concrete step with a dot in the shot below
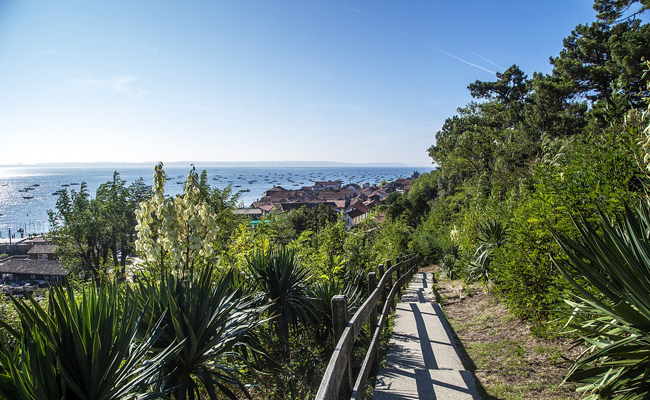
(425, 384)
(422, 360)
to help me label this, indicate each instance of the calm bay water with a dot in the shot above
(31, 214)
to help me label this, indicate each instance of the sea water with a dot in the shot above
(30, 214)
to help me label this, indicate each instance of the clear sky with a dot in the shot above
(253, 80)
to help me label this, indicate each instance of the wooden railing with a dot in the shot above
(337, 381)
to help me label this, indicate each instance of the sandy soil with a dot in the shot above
(508, 361)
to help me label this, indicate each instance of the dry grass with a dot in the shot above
(508, 361)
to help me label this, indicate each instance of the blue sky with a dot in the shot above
(253, 80)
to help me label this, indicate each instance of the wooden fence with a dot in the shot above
(337, 382)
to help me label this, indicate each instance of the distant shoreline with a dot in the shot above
(201, 164)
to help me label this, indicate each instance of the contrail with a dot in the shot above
(480, 56)
(355, 10)
(435, 47)
(458, 58)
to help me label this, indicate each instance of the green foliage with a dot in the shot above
(81, 346)
(393, 240)
(9, 317)
(612, 10)
(423, 191)
(432, 234)
(210, 321)
(117, 205)
(359, 247)
(282, 281)
(491, 236)
(598, 56)
(222, 202)
(245, 239)
(450, 262)
(572, 176)
(90, 233)
(311, 219)
(531, 151)
(392, 198)
(322, 293)
(614, 320)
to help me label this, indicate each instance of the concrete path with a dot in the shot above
(422, 361)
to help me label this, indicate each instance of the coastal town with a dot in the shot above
(30, 262)
(353, 201)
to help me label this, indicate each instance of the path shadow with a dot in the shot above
(425, 342)
(468, 363)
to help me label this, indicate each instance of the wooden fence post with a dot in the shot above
(372, 285)
(399, 271)
(382, 296)
(340, 321)
(390, 280)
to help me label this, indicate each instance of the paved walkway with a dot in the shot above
(422, 361)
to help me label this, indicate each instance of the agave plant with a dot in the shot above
(79, 347)
(613, 317)
(211, 323)
(282, 281)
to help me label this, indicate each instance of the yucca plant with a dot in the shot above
(322, 293)
(81, 346)
(491, 235)
(282, 281)
(211, 321)
(449, 263)
(613, 316)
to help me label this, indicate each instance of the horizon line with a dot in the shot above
(203, 162)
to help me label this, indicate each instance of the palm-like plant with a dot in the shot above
(283, 282)
(211, 321)
(79, 348)
(450, 261)
(323, 292)
(491, 235)
(613, 319)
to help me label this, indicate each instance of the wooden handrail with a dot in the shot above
(333, 377)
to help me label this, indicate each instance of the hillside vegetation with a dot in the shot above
(540, 196)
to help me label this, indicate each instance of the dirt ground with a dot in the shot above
(508, 361)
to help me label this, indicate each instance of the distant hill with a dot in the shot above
(106, 164)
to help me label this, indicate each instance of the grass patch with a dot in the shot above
(505, 355)
(509, 362)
